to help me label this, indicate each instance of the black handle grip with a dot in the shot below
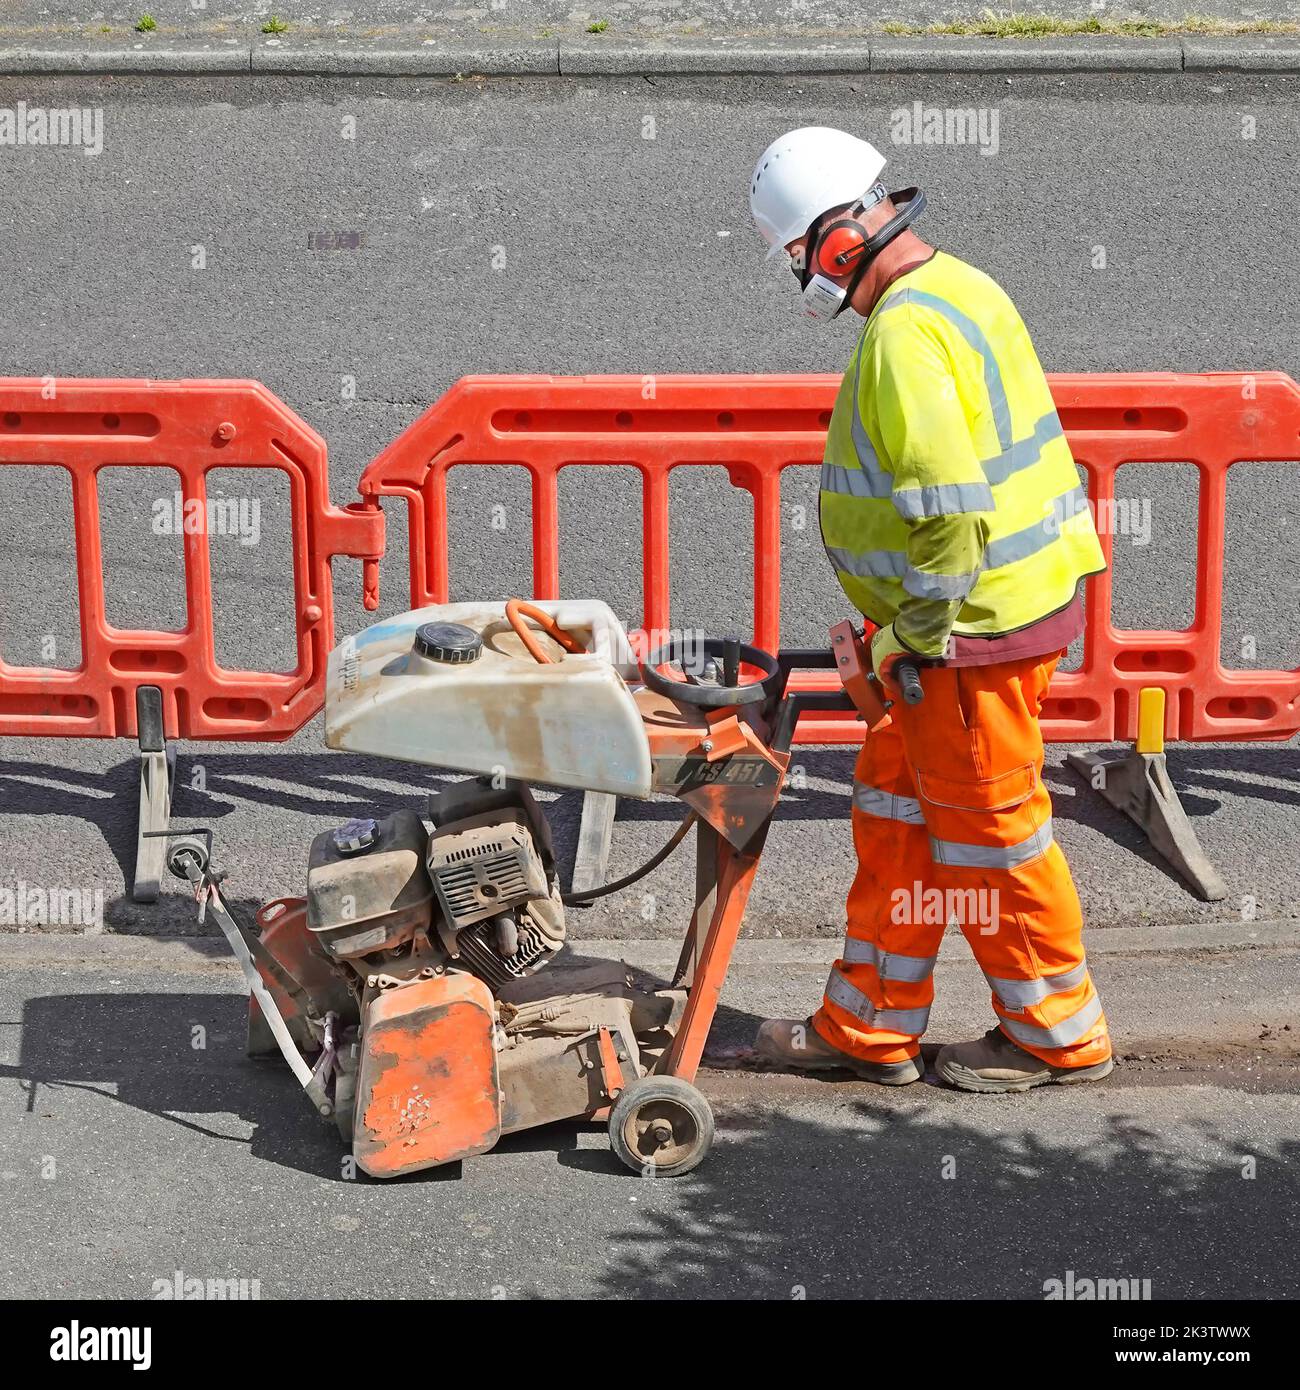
(909, 681)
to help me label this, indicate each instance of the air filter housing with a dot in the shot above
(484, 865)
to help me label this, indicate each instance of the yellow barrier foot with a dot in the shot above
(1137, 782)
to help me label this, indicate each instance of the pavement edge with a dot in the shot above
(598, 56)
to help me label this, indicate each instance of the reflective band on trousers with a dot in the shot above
(1062, 1034)
(1020, 994)
(887, 805)
(852, 1000)
(889, 964)
(992, 856)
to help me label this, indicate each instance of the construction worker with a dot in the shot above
(952, 512)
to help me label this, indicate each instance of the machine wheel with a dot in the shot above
(661, 1124)
(186, 849)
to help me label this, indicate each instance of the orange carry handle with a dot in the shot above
(517, 610)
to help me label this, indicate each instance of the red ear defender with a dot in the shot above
(839, 247)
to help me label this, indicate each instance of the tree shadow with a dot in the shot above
(818, 1190)
(788, 1206)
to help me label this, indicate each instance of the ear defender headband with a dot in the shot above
(843, 248)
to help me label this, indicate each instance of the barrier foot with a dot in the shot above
(1137, 782)
(591, 862)
(157, 769)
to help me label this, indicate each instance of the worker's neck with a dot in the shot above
(904, 253)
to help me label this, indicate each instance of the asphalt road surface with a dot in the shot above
(601, 226)
(533, 227)
(131, 1153)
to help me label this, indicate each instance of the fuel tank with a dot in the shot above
(453, 686)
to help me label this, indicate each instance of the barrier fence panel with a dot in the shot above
(1212, 421)
(759, 426)
(83, 426)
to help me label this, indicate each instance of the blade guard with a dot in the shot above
(427, 1089)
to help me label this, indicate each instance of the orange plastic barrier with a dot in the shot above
(190, 426)
(758, 426)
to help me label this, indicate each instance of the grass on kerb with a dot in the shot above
(1032, 26)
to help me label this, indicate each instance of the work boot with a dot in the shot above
(994, 1064)
(797, 1046)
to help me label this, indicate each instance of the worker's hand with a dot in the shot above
(886, 652)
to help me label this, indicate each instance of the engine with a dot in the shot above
(477, 892)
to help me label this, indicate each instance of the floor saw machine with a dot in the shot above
(420, 990)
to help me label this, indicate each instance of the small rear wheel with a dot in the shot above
(661, 1126)
(187, 850)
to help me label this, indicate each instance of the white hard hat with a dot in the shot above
(806, 173)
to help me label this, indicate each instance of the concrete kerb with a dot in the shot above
(601, 55)
(971, 55)
(32, 950)
(123, 60)
(583, 56)
(518, 59)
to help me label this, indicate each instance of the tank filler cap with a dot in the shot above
(450, 642)
(357, 836)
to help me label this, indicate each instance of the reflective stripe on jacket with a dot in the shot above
(950, 501)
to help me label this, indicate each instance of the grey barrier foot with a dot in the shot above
(591, 861)
(157, 768)
(1139, 785)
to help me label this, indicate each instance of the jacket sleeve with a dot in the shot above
(939, 491)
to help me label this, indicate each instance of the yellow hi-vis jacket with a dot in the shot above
(950, 502)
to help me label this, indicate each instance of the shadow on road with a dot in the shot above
(182, 1057)
(178, 1056)
(342, 785)
(789, 1207)
(812, 1189)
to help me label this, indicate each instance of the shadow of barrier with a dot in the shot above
(1135, 686)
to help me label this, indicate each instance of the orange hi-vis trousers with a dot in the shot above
(951, 821)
